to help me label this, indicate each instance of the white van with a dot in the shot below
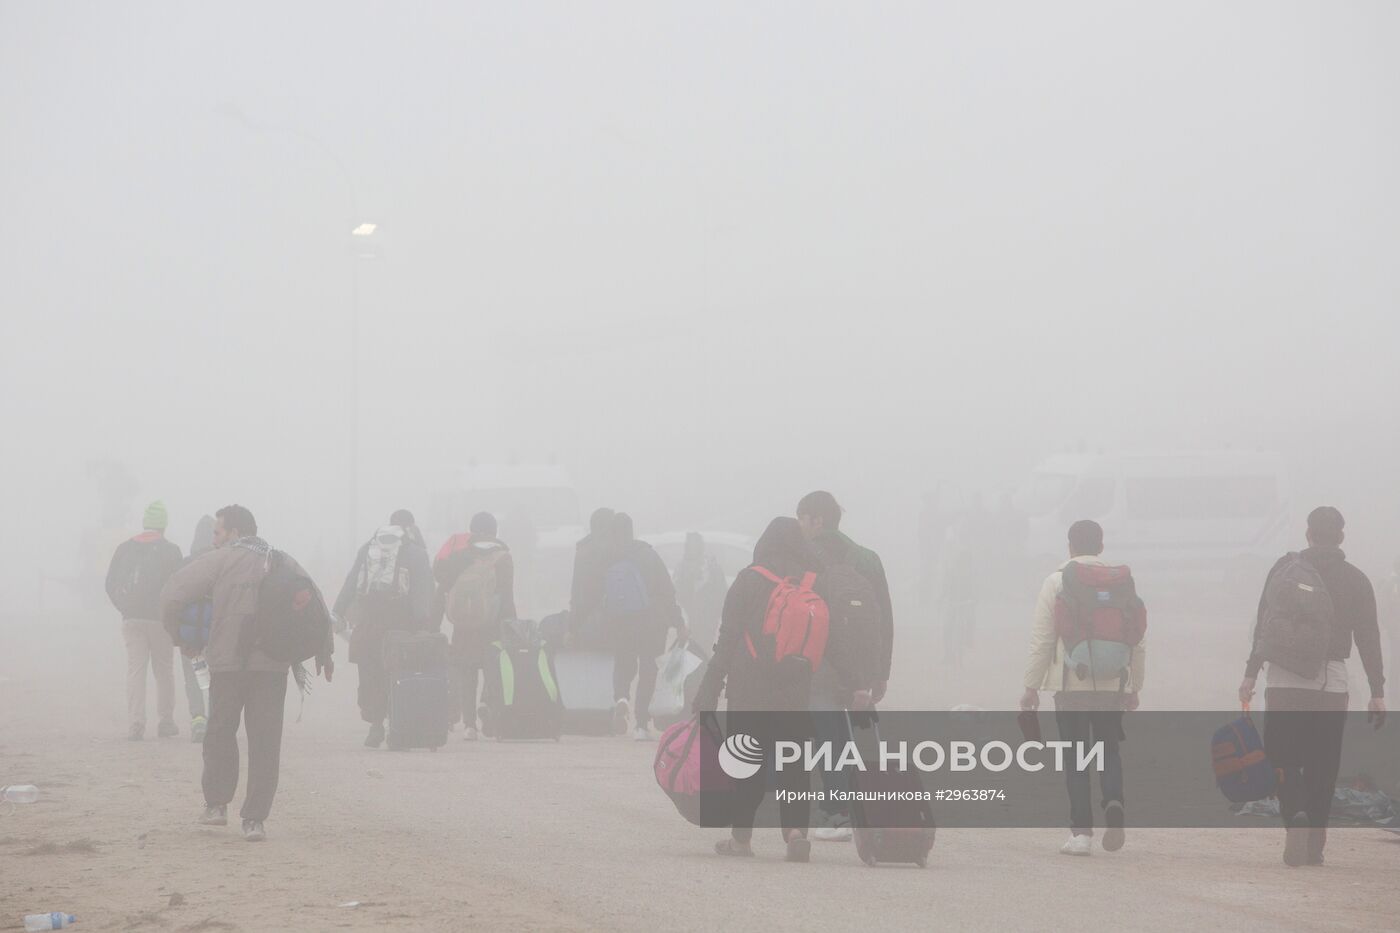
(1174, 517)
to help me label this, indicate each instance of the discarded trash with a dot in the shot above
(55, 921)
(20, 793)
(1348, 806)
(351, 904)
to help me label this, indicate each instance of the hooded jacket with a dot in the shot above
(783, 551)
(229, 576)
(1354, 602)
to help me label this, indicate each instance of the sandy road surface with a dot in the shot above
(545, 836)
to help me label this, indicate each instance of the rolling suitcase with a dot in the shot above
(890, 830)
(420, 695)
(522, 690)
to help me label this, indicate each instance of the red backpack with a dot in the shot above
(1100, 618)
(795, 624)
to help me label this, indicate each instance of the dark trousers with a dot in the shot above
(373, 692)
(256, 697)
(1303, 739)
(1090, 716)
(833, 727)
(749, 794)
(627, 664)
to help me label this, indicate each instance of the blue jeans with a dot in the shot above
(1090, 717)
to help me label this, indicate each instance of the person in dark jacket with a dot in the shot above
(138, 571)
(639, 606)
(753, 690)
(470, 643)
(819, 516)
(700, 588)
(1308, 748)
(389, 587)
(586, 589)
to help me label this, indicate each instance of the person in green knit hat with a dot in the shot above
(138, 571)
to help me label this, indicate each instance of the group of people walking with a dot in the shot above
(1087, 647)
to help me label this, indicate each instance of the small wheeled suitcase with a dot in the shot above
(890, 830)
(522, 691)
(420, 695)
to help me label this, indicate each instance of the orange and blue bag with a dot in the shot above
(1242, 770)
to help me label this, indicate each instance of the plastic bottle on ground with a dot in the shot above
(20, 793)
(34, 923)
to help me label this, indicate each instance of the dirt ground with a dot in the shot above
(544, 836)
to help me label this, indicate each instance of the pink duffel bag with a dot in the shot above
(687, 769)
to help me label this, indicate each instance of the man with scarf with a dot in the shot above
(244, 683)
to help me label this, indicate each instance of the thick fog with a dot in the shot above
(706, 257)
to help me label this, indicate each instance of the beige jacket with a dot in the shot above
(230, 576)
(1046, 668)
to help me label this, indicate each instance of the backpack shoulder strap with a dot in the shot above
(766, 574)
(808, 579)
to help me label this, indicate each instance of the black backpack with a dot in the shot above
(139, 578)
(292, 623)
(1296, 625)
(856, 642)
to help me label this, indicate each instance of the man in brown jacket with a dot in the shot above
(243, 683)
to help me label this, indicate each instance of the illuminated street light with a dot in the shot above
(365, 229)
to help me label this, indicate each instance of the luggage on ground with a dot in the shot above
(1242, 771)
(687, 770)
(522, 690)
(420, 694)
(890, 830)
(1100, 618)
(1298, 617)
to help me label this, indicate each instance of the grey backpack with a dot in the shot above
(1298, 617)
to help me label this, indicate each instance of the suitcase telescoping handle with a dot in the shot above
(873, 718)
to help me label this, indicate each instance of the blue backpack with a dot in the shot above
(1242, 771)
(624, 590)
(196, 619)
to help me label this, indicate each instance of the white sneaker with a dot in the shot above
(641, 734)
(621, 714)
(1078, 845)
(832, 834)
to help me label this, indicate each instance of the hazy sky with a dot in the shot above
(704, 254)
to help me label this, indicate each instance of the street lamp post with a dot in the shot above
(362, 233)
